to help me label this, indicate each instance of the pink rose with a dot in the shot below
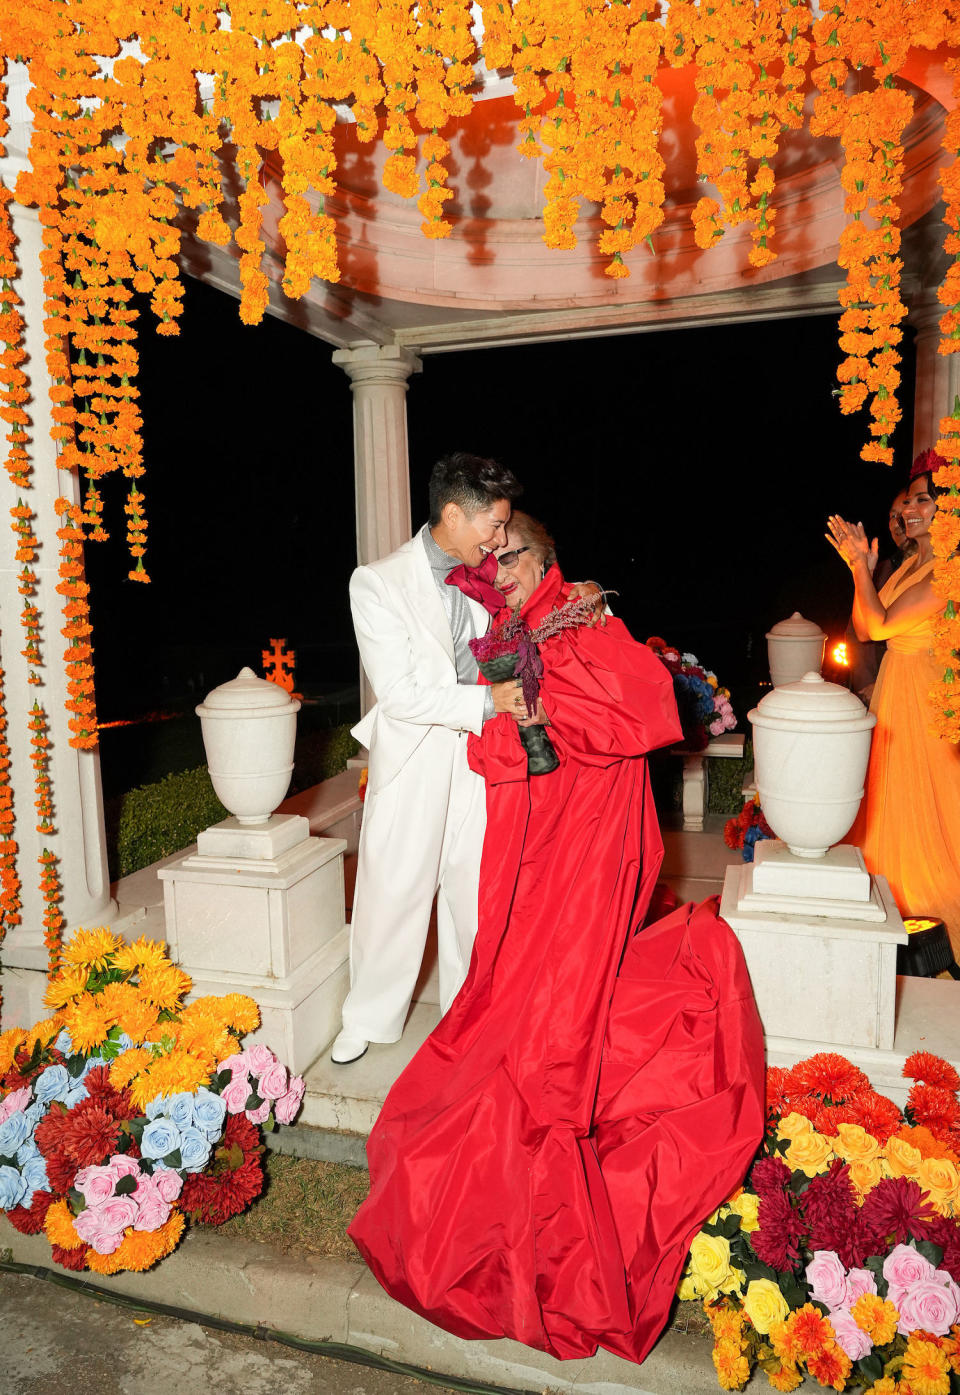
(236, 1094)
(827, 1279)
(902, 1268)
(235, 1064)
(859, 1282)
(257, 1116)
(932, 1305)
(852, 1338)
(153, 1211)
(169, 1183)
(259, 1058)
(89, 1226)
(95, 1184)
(117, 1214)
(729, 721)
(123, 1166)
(716, 727)
(287, 1105)
(273, 1082)
(16, 1100)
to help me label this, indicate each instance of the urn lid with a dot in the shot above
(812, 702)
(795, 627)
(246, 696)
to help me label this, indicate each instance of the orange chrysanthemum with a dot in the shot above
(140, 1249)
(69, 983)
(164, 985)
(877, 1317)
(60, 1228)
(90, 948)
(141, 954)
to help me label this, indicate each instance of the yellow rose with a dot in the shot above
(866, 1173)
(710, 1262)
(690, 1289)
(764, 1304)
(734, 1282)
(854, 1144)
(793, 1125)
(747, 1206)
(940, 1178)
(810, 1153)
(903, 1159)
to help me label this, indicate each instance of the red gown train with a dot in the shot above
(540, 1167)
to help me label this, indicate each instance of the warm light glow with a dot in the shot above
(278, 664)
(914, 923)
(840, 656)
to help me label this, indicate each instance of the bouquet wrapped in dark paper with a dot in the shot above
(510, 650)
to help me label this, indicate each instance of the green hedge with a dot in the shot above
(156, 820)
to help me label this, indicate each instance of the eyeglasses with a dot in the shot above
(510, 559)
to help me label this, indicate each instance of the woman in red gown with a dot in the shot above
(539, 1169)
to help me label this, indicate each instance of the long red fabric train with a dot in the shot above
(540, 1168)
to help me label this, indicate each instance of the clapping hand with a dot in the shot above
(852, 543)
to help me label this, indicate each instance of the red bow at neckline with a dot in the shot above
(476, 582)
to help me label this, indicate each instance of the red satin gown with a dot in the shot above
(539, 1169)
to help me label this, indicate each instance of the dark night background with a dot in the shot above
(691, 471)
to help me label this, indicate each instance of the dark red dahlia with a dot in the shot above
(769, 1175)
(70, 1259)
(231, 1181)
(116, 1102)
(894, 1210)
(29, 1219)
(830, 1211)
(777, 1241)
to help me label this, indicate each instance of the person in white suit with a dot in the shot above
(425, 811)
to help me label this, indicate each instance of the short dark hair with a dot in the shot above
(471, 482)
(934, 490)
(532, 534)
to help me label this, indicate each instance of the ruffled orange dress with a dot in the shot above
(909, 822)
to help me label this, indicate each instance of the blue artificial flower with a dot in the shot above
(33, 1113)
(52, 1084)
(90, 1064)
(77, 1092)
(26, 1151)
(155, 1107)
(13, 1132)
(63, 1043)
(160, 1137)
(209, 1112)
(12, 1188)
(179, 1108)
(34, 1173)
(194, 1150)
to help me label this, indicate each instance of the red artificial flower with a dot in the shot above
(116, 1102)
(876, 1114)
(90, 1134)
(826, 1075)
(830, 1366)
(231, 1181)
(931, 1070)
(769, 1176)
(29, 1219)
(70, 1259)
(777, 1241)
(893, 1211)
(776, 1093)
(810, 1331)
(935, 1108)
(829, 1208)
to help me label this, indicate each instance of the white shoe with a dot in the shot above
(347, 1048)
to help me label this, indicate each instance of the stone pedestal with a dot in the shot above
(826, 980)
(837, 884)
(261, 911)
(696, 785)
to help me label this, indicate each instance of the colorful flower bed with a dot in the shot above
(748, 828)
(839, 1258)
(704, 706)
(126, 1112)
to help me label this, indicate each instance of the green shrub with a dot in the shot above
(157, 820)
(725, 794)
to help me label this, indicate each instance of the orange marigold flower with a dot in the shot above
(877, 1317)
(60, 1228)
(138, 1019)
(127, 1065)
(925, 1367)
(240, 1012)
(87, 1025)
(831, 1366)
(785, 1377)
(733, 1368)
(143, 953)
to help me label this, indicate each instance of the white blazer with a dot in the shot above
(407, 652)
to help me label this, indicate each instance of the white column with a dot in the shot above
(937, 375)
(378, 379)
(79, 841)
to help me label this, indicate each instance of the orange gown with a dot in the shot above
(909, 822)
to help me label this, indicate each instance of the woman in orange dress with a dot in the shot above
(909, 822)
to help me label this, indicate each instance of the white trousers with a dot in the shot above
(421, 836)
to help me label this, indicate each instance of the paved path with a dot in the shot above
(56, 1342)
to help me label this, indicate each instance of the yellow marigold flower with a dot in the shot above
(925, 1368)
(733, 1368)
(786, 1378)
(169, 1075)
(793, 1125)
(727, 1323)
(86, 1024)
(69, 983)
(903, 1159)
(747, 1207)
(90, 948)
(9, 1043)
(137, 1019)
(164, 985)
(142, 954)
(59, 1226)
(764, 1304)
(877, 1317)
(127, 1065)
(854, 1144)
(809, 1152)
(887, 1385)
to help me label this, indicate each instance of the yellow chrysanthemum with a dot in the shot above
(44, 1032)
(168, 1076)
(877, 1317)
(242, 1013)
(142, 954)
(886, 1385)
(9, 1043)
(138, 1019)
(164, 985)
(160, 1032)
(925, 1368)
(60, 1228)
(90, 948)
(127, 1065)
(117, 999)
(69, 983)
(86, 1024)
(727, 1324)
(208, 1008)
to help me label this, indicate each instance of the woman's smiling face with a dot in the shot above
(518, 582)
(919, 508)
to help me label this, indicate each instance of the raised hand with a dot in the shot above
(851, 542)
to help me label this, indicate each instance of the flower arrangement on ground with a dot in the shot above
(704, 706)
(839, 1258)
(128, 1112)
(745, 830)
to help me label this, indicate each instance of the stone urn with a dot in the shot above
(249, 727)
(811, 743)
(794, 647)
